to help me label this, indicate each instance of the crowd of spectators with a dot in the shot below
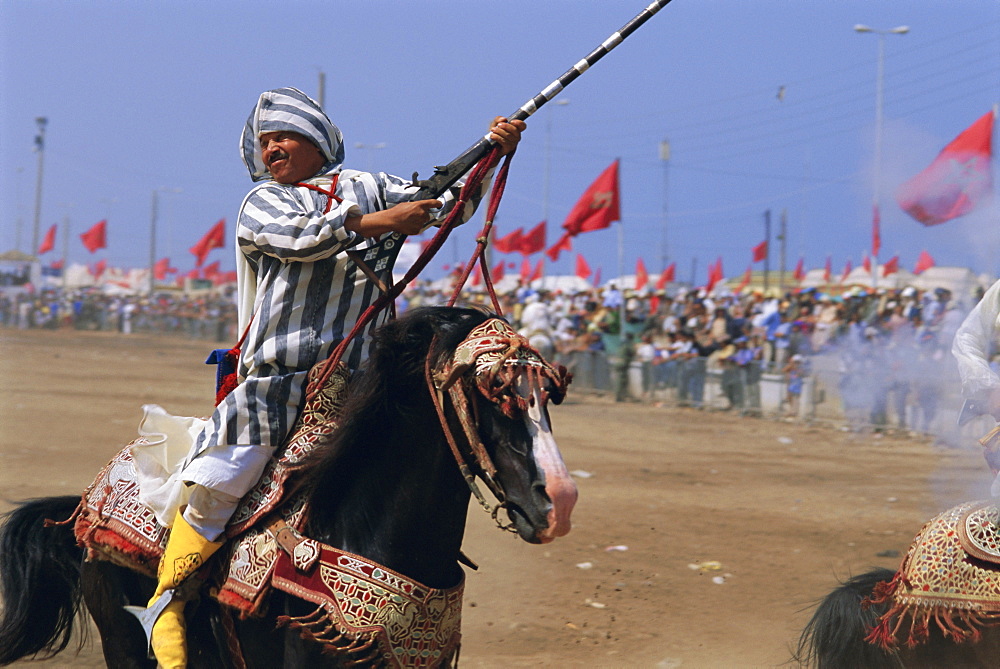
(888, 346)
(205, 316)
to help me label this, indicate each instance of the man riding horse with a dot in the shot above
(316, 244)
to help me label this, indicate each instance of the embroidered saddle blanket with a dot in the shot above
(113, 525)
(951, 576)
(367, 612)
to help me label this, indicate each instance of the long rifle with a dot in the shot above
(449, 174)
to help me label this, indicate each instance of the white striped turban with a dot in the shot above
(285, 109)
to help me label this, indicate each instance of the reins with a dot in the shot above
(387, 298)
(437, 387)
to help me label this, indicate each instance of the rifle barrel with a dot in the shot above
(446, 176)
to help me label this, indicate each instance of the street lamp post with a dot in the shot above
(665, 159)
(40, 148)
(879, 97)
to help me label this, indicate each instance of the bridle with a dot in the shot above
(490, 361)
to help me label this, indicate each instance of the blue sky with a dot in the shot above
(142, 96)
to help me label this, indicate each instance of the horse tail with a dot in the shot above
(835, 636)
(39, 579)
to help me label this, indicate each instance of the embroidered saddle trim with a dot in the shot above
(978, 532)
(113, 525)
(377, 616)
(939, 581)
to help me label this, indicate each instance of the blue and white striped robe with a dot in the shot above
(307, 295)
(296, 281)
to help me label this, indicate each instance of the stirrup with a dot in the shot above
(149, 615)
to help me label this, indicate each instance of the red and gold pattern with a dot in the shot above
(497, 354)
(937, 582)
(381, 617)
(113, 525)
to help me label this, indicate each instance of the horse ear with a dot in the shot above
(460, 364)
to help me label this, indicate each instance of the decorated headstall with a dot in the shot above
(499, 363)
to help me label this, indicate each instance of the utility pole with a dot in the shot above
(152, 234)
(665, 159)
(782, 237)
(41, 121)
(152, 242)
(65, 253)
(320, 98)
(767, 245)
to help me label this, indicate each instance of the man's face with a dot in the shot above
(290, 157)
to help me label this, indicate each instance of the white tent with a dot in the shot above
(566, 283)
(961, 281)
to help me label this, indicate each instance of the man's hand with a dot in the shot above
(506, 133)
(408, 218)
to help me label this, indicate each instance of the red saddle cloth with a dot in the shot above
(113, 525)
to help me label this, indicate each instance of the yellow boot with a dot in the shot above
(185, 553)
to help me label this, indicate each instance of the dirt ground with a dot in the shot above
(785, 509)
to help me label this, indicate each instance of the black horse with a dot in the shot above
(386, 487)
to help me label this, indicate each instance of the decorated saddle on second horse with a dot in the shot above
(950, 576)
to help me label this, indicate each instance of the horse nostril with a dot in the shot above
(540, 497)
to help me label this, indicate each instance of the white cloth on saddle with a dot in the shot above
(164, 460)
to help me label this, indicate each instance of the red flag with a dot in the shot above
(745, 281)
(539, 270)
(641, 275)
(96, 237)
(598, 207)
(509, 243)
(223, 278)
(582, 268)
(497, 273)
(956, 182)
(666, 276)
(213, 239)
(193, 274)
(800, 272)
(162, 268)
(525, 270)
(562, 245)
(49, 242)
(891, 266)
(925, 261)
(211, 271)
(867, 264)
(847, 270)
(98, 269)
(56, 264)
(533, 241)
(477, 275)
(827, 271)
(760, 251)
(714, 274)
(876, 230)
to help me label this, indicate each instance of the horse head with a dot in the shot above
(498, 387)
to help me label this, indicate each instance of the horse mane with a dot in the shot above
(391, 387)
